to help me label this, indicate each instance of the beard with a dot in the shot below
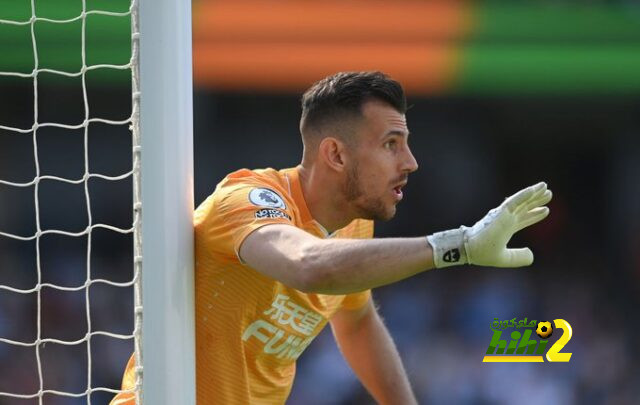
(367, 207)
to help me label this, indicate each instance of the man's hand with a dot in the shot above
(485, 243)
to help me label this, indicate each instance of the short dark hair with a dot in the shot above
(342, 95)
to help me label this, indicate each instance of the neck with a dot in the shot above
(324, 199)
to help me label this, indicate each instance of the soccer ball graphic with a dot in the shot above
(544, 329)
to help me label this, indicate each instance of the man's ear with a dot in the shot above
(332, 152)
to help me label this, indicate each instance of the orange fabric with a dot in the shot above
(250, 328)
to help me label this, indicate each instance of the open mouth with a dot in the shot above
(398, 191)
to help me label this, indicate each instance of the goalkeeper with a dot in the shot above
(281, 253)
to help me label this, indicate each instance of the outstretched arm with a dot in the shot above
(341, 266)
(333, 266)
(368, 348)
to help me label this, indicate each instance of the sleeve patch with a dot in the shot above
(264, 197)
(271, 213)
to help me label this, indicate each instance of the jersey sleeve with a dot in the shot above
(239, 210)
(356, 300)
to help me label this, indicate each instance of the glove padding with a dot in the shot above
(485, 243)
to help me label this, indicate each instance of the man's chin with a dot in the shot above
(377, 211)
(383, 216)
(390, 215)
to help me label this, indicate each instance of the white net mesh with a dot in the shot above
(44, 285)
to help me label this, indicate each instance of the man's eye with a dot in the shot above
(390, 144)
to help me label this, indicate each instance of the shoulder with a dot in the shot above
(246, 177)
(259, 188)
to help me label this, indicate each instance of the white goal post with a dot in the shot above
(162, 176)
(166, 123)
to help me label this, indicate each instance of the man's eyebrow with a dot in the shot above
(396, 133)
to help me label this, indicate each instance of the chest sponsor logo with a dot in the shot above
(283, 316)
(263, 197)
(271, 213)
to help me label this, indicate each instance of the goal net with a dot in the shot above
(88, 130)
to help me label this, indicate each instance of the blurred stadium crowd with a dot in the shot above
(474, 148)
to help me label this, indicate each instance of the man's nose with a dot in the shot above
(409, 164)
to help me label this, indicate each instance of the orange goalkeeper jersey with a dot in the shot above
(250, 328)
